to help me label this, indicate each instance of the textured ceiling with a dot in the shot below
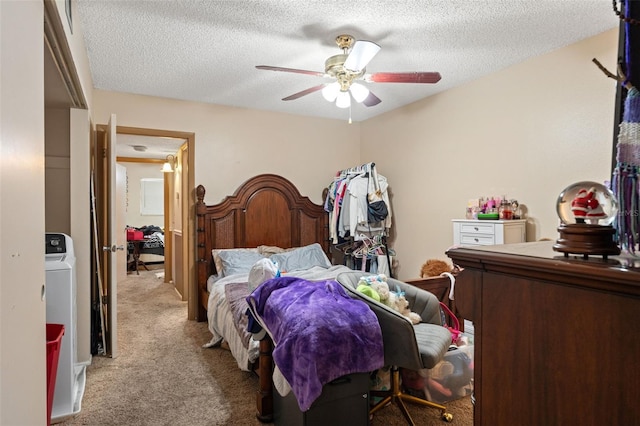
(206, 51)
(139, 146)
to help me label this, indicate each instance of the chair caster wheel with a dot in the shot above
(447, 417)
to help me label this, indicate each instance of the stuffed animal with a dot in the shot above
(374, 286)
(403, 308)
(378, 286)
(367, 290)
(434, 267)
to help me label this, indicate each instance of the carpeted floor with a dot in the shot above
(163, 375)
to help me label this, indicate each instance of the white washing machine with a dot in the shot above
(60, 285)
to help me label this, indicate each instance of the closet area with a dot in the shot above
(360, 219)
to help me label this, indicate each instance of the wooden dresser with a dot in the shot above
(556, 338)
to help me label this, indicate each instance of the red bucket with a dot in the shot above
(54, 339)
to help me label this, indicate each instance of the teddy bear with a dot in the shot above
(434, 267)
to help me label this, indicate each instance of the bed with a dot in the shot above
(266, 214)
(153, 238)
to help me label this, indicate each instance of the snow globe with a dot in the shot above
(586, 210)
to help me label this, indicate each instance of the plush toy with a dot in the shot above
(367, 290)
(403, 308)
(376, 285)
(434, 267)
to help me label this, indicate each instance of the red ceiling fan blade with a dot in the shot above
(371, 100)
(294, 70)
(304, 92)
(404, 77)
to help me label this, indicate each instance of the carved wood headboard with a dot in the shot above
(265, 210)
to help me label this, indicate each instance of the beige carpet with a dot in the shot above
(163, 376)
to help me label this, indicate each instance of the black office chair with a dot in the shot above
(406, 345)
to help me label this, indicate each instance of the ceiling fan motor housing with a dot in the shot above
(334, 66)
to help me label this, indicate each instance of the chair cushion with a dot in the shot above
(433, 342)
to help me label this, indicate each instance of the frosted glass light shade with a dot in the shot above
(167, 167)
(343, 100)
(330, 91)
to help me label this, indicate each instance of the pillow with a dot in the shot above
(269, 250)
(229, 253)
(261, 271)
(302, 258)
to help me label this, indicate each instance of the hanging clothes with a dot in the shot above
(349, 199)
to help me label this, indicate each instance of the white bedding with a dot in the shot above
(220, 316)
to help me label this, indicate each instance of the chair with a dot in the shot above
(406, 345)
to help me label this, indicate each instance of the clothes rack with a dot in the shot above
(360, 216)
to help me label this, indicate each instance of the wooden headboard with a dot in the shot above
(265, 210)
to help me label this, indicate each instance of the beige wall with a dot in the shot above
(234, 144)
(527, 131)
(57, 171)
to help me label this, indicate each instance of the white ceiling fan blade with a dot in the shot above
(359, 92)
(363, 51)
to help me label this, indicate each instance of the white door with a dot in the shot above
(114, 241)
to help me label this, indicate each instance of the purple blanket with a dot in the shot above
(319, 333)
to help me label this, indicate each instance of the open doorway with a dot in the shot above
(155, 147)
(149, 205)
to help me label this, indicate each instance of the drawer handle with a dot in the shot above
(476, 240)
(476, 228)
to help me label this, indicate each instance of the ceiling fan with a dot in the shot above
(348, 70)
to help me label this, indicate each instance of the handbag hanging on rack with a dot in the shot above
(377, 210)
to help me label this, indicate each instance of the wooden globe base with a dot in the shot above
(586, 239)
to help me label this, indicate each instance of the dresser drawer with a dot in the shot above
(477, 239)
(487, 232)
(477, 228)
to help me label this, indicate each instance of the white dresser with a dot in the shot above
(487, 232)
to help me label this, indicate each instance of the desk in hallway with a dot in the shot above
(135, 262)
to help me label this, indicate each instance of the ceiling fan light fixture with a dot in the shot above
(330, 91)
(363, 51)
(359, 92)
(343, 100)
